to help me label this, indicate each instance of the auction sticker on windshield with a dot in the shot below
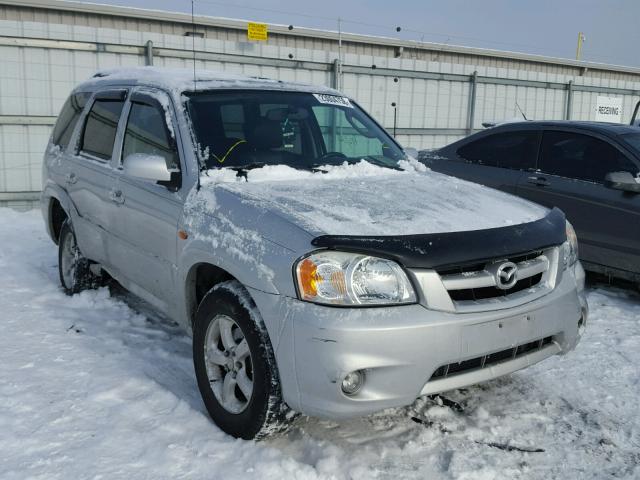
(333, 100)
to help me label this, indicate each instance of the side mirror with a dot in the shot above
(622, 181)
(411, 152)
(147, 167)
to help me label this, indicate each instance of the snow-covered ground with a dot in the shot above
(97, 386)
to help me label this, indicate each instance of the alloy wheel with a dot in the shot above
(228, 364)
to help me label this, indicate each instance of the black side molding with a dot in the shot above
(438, 250)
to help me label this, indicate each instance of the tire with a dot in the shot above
(231, 346)
(73, 268)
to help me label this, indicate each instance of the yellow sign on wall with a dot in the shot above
(257, 31)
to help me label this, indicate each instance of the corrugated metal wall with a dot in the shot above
(52, 12)
(43, 60)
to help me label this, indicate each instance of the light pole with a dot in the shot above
(581, 40)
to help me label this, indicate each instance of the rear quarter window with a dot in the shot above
(68, 118)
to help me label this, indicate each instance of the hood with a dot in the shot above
(364, 200)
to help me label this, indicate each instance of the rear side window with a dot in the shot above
(514, 150)
(583, 157)
(147, 134)
(100, 128)
(68, 118)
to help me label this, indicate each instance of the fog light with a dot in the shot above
(352, 382)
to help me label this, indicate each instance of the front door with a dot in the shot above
(145, 224)
(570, 175)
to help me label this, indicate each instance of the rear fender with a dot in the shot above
(50, 192)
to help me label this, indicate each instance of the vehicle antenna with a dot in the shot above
(195, 84)
(193, 45)
(521, 112)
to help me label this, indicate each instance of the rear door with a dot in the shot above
(496, 160)
(570, 175)
(57, 157)
(89, 174)
(145, 224)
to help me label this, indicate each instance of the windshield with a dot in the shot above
(246, 129)
(633, 140)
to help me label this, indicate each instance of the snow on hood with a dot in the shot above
(364, 199)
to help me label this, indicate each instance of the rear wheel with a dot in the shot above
(235, 366)
(73, 268)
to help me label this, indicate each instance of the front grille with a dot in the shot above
(476, 267)
(490, 359)
(493, 292)
(488, 285)
(478, 281)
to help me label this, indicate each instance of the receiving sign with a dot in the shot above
(609, 109)
(257, 31)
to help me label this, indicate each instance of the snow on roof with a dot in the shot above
(182, 79)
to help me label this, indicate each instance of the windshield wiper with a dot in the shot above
(382, 163)
(247, 167)
(317, 167)
(242, 170)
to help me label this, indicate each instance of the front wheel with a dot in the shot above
(73, 268)
(235, 366)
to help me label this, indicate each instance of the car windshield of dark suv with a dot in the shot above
(248, 129)
(633, 140)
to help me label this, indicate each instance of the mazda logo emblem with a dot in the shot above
(506, 275)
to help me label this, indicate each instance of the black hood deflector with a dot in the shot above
(438, 250)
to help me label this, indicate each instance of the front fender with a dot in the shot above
(248, 269)
(266, 268)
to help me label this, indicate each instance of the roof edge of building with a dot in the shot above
(202, 20)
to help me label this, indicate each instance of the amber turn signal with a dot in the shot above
(308, 278)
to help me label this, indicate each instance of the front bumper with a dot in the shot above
(401, 347)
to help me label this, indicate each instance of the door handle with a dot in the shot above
(71, 178)
(540, 181)
(116, 196)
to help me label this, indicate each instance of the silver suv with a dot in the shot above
(319, 268)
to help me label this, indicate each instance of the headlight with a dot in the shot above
(340, 278)
(570, 247)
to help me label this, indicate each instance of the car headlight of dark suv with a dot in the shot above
(570, 247)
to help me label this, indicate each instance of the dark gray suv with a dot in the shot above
(589, 170)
